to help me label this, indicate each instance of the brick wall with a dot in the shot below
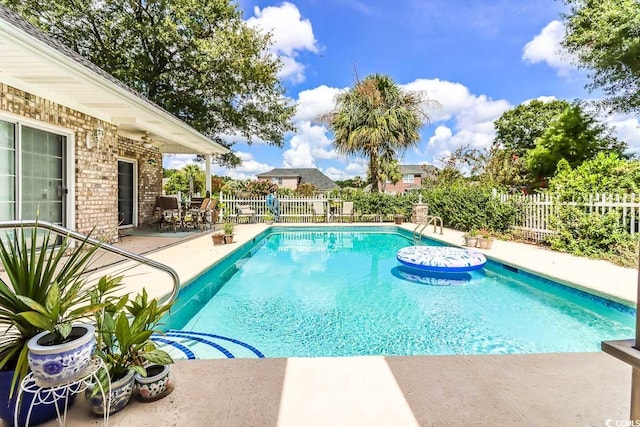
(96, 167)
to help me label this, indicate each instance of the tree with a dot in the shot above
(376, 118)
(575, 136)
(306, 189)
(188, 181)
(517, 129)
(197, 59)
(358, 182)
(606, 173)
(605, 37)
(463, 161)
(504, 168)
(388, 171)
(344, 183)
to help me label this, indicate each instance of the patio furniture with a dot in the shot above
(245, 211)
(199, 213)
(347, 211)
(170, 212)
(318, 211)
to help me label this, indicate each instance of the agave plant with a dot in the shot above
(41, 276)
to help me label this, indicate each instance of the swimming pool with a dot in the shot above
(341, 292)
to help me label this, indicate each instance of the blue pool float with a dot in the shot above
(441, 259)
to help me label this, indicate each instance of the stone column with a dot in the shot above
(419, 212)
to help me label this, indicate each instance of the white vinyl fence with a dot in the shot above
(292, 209)
(295, 209)
(533, 220)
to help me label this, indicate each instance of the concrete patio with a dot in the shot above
(534, 389)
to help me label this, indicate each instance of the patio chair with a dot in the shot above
(347, 211)
(199, 214)
(318, 211)
(245, 211)
(170, 212)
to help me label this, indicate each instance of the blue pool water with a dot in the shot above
(341, 293)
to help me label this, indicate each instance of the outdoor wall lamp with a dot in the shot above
(96, 136)
(146, 140)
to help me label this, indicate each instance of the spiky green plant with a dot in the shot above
(40, 275)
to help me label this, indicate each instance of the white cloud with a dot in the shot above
(291, 69)
(542, 98)
(247, 170)
(469, 118)
(545, 47)
(357, 166)
(308, 144)
(452, 97)
(627, 129)
(178, 161)
(313, 103)
(336, 174)
(291, 35)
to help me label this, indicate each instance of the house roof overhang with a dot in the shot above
(29, 63)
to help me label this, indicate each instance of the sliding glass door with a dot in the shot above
(7, 171)
(32, 179)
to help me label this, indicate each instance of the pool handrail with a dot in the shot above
(62, 231)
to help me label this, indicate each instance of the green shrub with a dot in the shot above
(465, 206)
(592, 235)
(380, 203)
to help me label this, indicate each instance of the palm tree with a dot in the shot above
(377, 119)
(388, 171)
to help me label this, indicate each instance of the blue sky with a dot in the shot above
(477, 58)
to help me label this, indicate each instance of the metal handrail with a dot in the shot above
(58, 229)
(429, 219)
(434, 219)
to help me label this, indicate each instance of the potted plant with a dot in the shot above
(228, 232)
(126, 347)
(268, 218)
(485, 239)
(399, 215)
(31, 276)
(471, 238)
(218, 238)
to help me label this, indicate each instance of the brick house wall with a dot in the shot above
(96, 168)
(400, 187)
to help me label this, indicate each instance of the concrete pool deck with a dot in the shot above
(533, 389)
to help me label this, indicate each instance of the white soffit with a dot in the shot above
(34, 66)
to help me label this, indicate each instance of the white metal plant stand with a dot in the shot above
(50, 395)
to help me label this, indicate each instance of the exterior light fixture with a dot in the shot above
(98, 134)
(146, 140)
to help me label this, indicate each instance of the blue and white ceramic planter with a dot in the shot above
(154, 387)
(58, 364)
(121, 392)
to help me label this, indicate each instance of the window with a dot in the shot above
(31, 173)
(407, 178)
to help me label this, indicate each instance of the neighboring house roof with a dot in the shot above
(418, 169)
(306, 175)
(43, 66)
